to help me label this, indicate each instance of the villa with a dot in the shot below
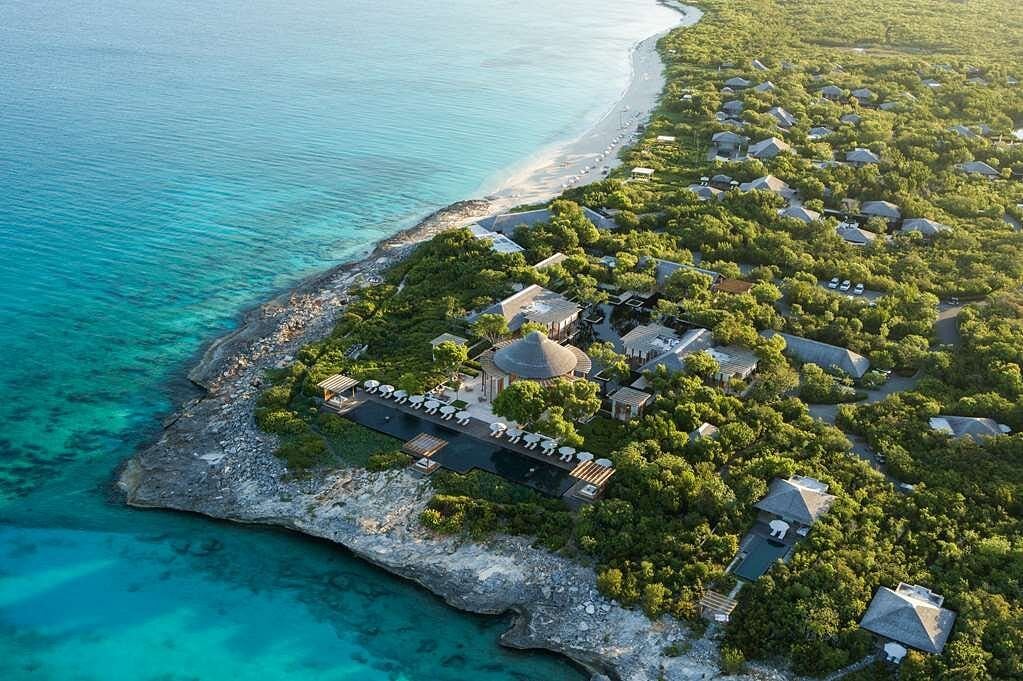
(645, 342)
(629, 403)
(851, 119)
(769, 183)
(882, 209)
(540, 306)
(706, 193)
(855, 235)
(800, 213)
(448, 338)
(551, 261)
(799, 501)
(923, 226)
(673, 359)
(832, 92)
(509, 222)
(863, 95)
(766, 86)
(738, 83)
(784, 118)
(820, 132)
(823, 355)
(978, 168)
(665, 268)
(910, 616)
(968, 426)
(705, 431)
(768, 148)
(499, 242)
(533, 357)
(727, 142)
(734, 363)
(733, 106)
(862, 157)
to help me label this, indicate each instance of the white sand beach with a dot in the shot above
(588, 158)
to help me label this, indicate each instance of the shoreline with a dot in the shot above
(210, 459)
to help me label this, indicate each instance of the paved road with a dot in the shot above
(946, 327)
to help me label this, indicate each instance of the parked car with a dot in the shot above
(858, 290)
(953, 300)
(833, 283)
(846, 285)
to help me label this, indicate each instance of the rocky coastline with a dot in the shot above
(212, 459)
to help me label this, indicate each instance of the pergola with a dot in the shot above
(593, 473)
(424, 445)
(716, 607)
(336, 385)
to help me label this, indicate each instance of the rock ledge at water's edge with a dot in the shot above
(212, 459)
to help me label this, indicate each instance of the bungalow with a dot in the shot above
(820, 132)
(963, 131)
(832, 92)
(706, 193)
(968, 426)
(509, 222)
(704, 431)
(855, 235)
(768, 148)
(629, 403)
(448, 338)
(978, 168)
(728, 142)
(673, 360)
(733, 363)
(882, 209)
(801, 213)
(533, 357)
(911, 616)
(733, 286)
(721, 181)
(784, 118)
(799, 501)
(851, 119)
(768, 183)
(738, 83)
(759, 65)
(553, 260)
(862, 157)
(766, 86)
(645, 342)
(733, 107)
(823, 355)
(499, 242)
(641, 173)
(864, 95)
(928, 228)
(665, 268)
(538, 305)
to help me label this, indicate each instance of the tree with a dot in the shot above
(529, 327)
(702, 364)
(492, 327)
(616, 365)
(449, 357)
(577, 399)
(522, 401)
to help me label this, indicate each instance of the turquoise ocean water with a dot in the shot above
(164, 165)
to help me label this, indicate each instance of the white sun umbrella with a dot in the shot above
(371, 384)
(497, 426)
(531, 437)
(416, 399)
(386, 389)
(447, 409)
(462, 415)
(432, 404)
(584, 456)
(566, 451)
(400, 394)
(606, 463)
(548, 444)
(514, 432)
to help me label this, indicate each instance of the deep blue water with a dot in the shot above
(164, 165)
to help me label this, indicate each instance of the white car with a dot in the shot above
(858, 290)
(846, 285)
(833, 283)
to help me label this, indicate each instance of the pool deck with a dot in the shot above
(476, 428)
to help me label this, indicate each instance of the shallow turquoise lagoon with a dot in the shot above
(164, 165)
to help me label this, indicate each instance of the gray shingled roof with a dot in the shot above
(534, 304)
(978, 168)
(537, 357)
(924, 226)
(884, 209)
(768, 148)
(673, 360)
(910, 615)
(967, 426)
(797, 499)
(861, 155)
(822, 354)
(506, 224)
(800, 213)
(782, 116)
(647, 338)
(767, 183)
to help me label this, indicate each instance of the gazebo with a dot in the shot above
(334, 388)
(533, 357)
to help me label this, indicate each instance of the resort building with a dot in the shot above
(968, 426)
(728, 143)
(851, 119)
(673, 359)
(823, 355)
(852, 233)
(862, 157)
(864, 95)
(703, 432)
(641, 173)
(733, 107)
(978, 168)
(820, 132)
(553, 260)
(645, 342)
(499, 242)
(882, 209)
(800, 213)
(738, 83)
(766, 86)
(769, 183)
(706, 193)
(509, 222)
(448, 338)
(832, 92)
(911, 616)
(541, 306)
(923, 226)
(533, 357)
(629, 403)
(665, 268)
(799, 501)
(733, 363)
(768, 148)
(784, 118)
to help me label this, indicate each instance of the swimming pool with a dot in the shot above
(465, 452)
(761, 554)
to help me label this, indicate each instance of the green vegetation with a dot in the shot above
(671, 519)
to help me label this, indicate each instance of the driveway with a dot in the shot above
(946, 327)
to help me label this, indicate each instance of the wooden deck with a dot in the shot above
(424, 445)
(592, 473)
